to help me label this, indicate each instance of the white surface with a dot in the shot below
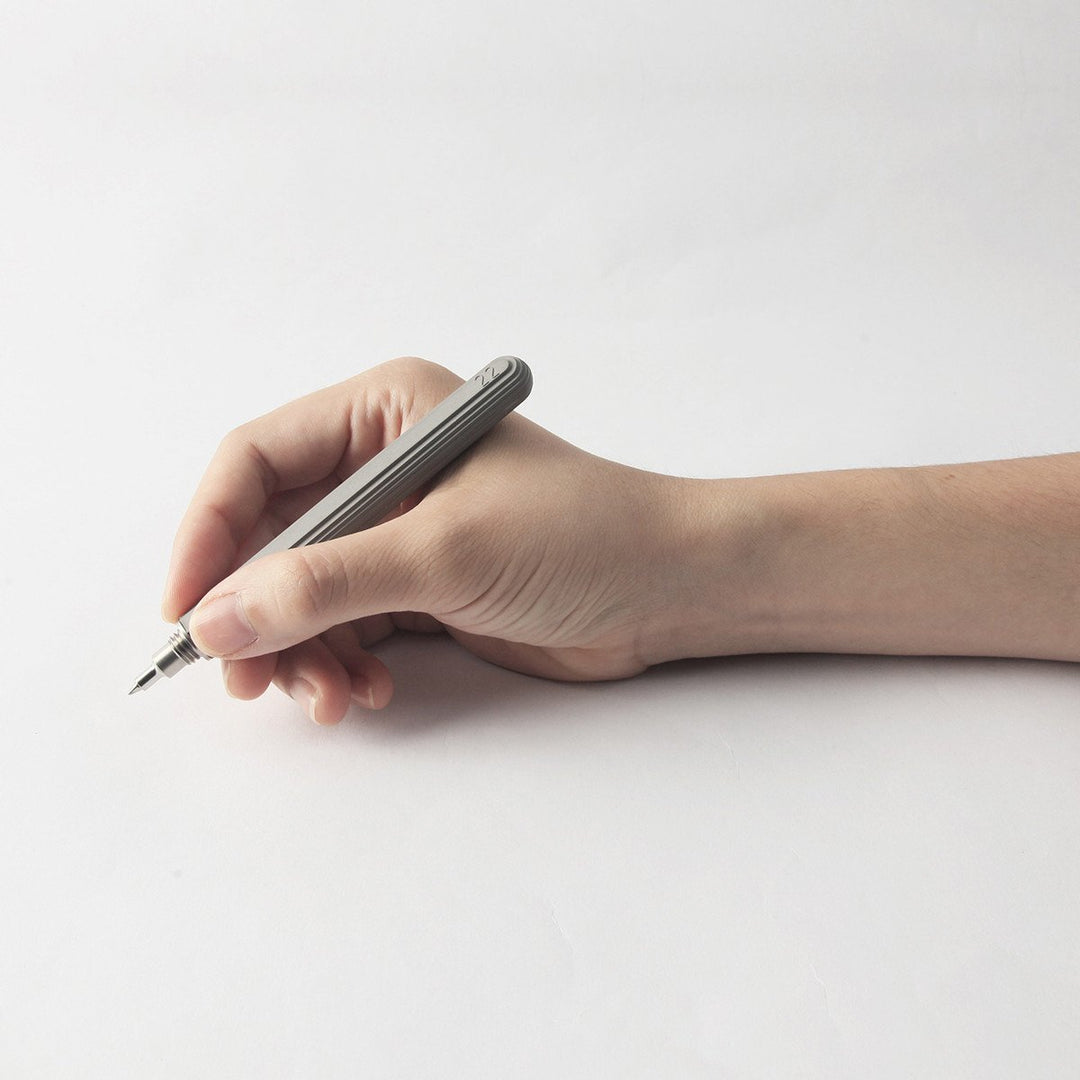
(730, 239)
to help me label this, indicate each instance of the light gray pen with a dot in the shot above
(393, 474)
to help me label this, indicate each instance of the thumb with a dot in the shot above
(288, 597)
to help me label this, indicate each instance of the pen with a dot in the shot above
(393, 474)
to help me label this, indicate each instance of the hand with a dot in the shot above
(530, 552)
(545, 559)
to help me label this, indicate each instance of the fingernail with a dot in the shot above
(303, 693)
(226, 676)
(362, 692)
(220, 626)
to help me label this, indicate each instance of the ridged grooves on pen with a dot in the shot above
(183, 646)
(395, 472)
(484, 405)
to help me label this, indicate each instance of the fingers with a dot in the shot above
(315, 679)
(370, 682)
(324, 676)
(297, 444)
(327, 434)
(248, 679)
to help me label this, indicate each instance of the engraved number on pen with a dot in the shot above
(487, 375)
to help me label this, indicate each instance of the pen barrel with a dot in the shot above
(377, 487)
(413, 458)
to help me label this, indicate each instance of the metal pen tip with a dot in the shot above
(146, 679)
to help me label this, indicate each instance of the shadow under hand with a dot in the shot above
(437, 681)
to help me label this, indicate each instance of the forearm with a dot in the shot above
(978, 559)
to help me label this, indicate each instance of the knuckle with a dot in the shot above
(239, 437)
(243, 447)
(415, 364)
(416, 371)
(231, 442)
(317, 583)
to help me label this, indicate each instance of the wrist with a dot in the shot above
(814, 562)
(715, 587)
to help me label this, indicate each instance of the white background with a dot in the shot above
(730, 239)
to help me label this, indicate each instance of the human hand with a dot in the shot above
(545, 559)
(530, 552)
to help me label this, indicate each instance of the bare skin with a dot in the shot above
(548, 560)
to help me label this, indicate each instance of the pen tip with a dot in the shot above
(146, 679)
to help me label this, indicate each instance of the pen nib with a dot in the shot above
(146, 679)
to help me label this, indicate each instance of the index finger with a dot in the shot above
(331, 431)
